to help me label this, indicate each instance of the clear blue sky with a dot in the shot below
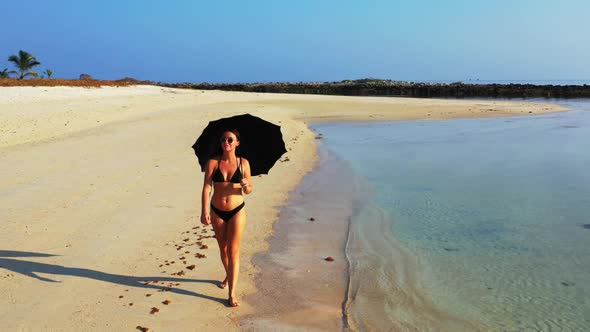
(303, 40)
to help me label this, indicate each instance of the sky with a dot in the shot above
(303, 40)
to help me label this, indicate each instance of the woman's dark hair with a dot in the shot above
(233, 131)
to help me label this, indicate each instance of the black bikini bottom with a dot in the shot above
(227, 215)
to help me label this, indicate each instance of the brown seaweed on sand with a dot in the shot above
(142, 328)
(154, 310)
(329, 259)
(191, 267)
(167, 302)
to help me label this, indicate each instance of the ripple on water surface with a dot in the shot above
(494, 212)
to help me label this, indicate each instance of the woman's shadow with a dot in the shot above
(32, 268)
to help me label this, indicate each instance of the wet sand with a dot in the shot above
(100, 195)
(305, 271)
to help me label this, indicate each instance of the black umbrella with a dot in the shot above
(261, 142)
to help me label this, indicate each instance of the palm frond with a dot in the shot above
(31, 73)
(24, 54)
(6, 73)
(13, 58)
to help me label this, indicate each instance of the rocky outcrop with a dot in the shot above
(85, 77)
(371, 87)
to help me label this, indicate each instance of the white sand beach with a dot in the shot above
(99, 187)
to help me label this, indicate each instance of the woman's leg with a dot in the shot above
(235, 228)
(220, 228)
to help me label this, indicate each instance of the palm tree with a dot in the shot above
(48, 72)
(24, 62)
(6, 73)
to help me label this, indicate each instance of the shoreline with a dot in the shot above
(80, 157)
(295, 264)
(365, 305)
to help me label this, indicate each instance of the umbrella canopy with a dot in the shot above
(261, 142)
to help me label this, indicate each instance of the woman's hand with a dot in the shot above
(205, 218)
(244, 183)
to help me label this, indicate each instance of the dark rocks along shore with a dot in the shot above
(374, 87)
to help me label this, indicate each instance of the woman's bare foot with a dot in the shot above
(223, 284)
(232, 302)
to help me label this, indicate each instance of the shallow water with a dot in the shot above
(488, 215)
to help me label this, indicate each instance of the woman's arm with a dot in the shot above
(206, 194)
(245, 183)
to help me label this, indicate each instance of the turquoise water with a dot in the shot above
(492, 214)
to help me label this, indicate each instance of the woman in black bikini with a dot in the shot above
(229, 176)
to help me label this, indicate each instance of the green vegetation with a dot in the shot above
(24, 62)
(48, 73)
(6, 73)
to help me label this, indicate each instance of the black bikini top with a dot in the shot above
(236, 178)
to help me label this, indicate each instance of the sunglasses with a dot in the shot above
(230, 140)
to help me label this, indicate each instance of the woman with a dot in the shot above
(229, 176)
